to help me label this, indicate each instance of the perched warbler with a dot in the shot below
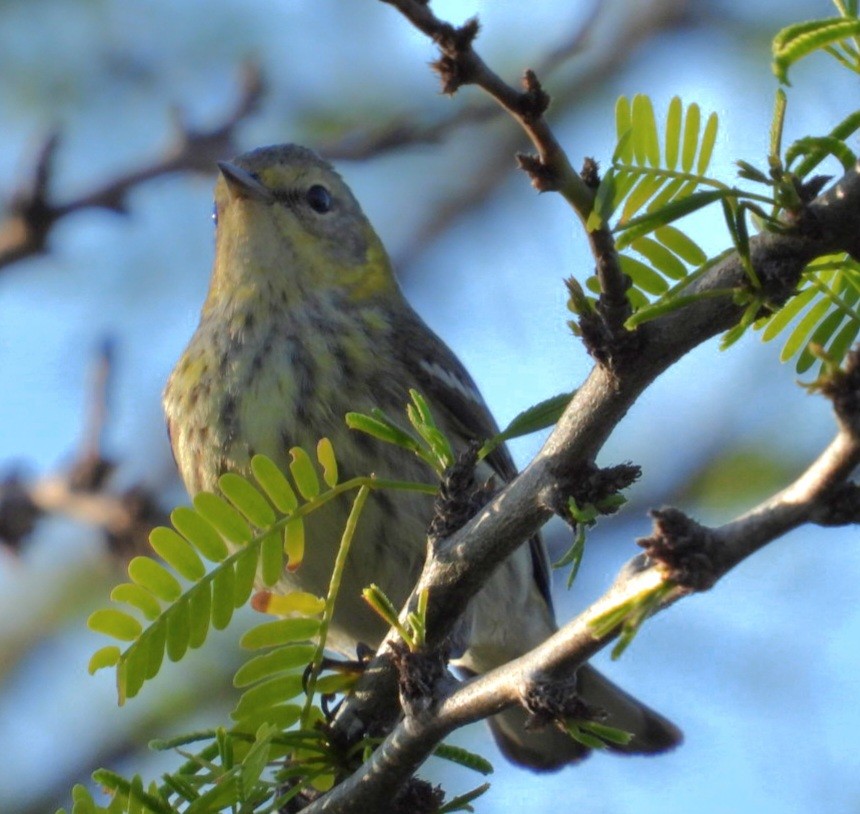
(303, 322)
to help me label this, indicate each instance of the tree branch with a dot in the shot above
(459, 566)
(30, 214)
(685, 557)
(459, 64)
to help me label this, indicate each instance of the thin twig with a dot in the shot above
(30, 213)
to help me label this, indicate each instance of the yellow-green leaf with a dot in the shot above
(200, 533)
(691, 137)
(326, 457)
(304, 474)
(137, 597)
(153, 576)
(673, 132)
(246, 499)
(178, 631)
(222, 597)
(682, 245)
(246, 574)
(223, 516)
(301, 602)
(271, 558)
(177, 551)
(643, 276)
(274, 483)
(661, 258)
(268, 693)
(104, 657)
(200, 611)
(291, 657)
(294, 543)
(280, 632)
(708, 140)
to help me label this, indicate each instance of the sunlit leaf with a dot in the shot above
(246, 499)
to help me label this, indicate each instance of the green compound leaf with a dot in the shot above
(200, 533)
(644, 277)
(275, 484)
(223, 517)
(825, 312)
(328, 462)
(268, 693)
(304, 474)
(155, 578)
(246, 573)
(178, 630)
(800, 40)
(690, 146)
(380, 426)
(709, 139)
(463, 757)
(820, 147)
(682, 245)
(104, 657)
(246, 499)
(137, 597)
(281, 631)
(271, 558)
(283, 659)
(646, 144)
(673, 132)
(177, 552)
(294, 543)
(462, 802)
(661, 258)
(223, 586)
(844, 130)
(537, 417)
(200, 614)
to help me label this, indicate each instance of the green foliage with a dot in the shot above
(425, 439)
(628, 617)
(596, 735)
(657, 178)
(836, 36)
(583, 518)
(210, 561)
(538, 417)
(653, 182)
(414, 631)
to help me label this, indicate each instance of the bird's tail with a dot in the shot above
(548, 748)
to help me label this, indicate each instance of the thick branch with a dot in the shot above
(556, 659)
(462, 563)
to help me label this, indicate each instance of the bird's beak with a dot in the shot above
(241, 184)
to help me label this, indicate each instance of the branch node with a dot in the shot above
(589, 486)
(542, 177)
(459, 498)
(455, 66)
(551, 702)
(590, 173)
(842, 386)
(684, 550)
(423, 677)
(533, 103)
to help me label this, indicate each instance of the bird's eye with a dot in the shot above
(319, 199)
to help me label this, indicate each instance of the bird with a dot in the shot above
(305, 321)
